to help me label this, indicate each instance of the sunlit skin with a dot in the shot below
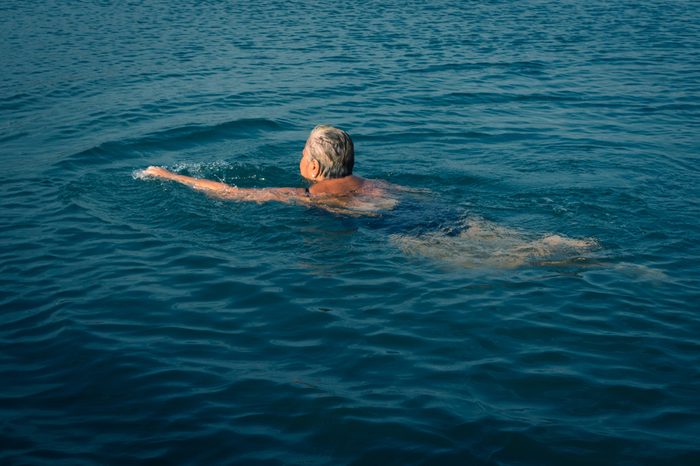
(352, 195)
(308, 168)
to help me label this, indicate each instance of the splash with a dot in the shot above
(139, 174)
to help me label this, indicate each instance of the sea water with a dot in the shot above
(143, 322)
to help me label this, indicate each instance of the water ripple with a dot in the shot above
(145, 322)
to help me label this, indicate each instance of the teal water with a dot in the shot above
(142, 322)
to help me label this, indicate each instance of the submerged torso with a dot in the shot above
(362, 197)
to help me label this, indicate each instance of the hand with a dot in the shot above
(158, 172)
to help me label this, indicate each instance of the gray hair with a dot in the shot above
(333, 149)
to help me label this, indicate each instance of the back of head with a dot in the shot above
(333, 149)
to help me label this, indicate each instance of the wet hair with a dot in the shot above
(333, 149)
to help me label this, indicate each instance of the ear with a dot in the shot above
(315, 168)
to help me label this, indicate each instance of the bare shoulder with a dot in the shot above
(366, 198)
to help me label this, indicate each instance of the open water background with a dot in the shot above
(142, 322)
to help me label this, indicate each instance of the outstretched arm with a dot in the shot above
(226, 191)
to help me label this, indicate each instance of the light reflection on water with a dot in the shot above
(142, 321)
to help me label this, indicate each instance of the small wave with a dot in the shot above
(516, 65)
(17, 101)
(442, 136)
(11, 137)
(188, 133)
(462, 98)
(170, 139)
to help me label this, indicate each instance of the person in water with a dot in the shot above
(327, 162)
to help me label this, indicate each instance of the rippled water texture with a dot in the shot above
(143, 322)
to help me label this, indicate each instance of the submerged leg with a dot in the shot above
(486, 244)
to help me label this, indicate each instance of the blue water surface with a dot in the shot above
(142, 322)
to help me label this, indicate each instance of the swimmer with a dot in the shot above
(327, 162)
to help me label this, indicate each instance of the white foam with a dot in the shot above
(139, 174)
